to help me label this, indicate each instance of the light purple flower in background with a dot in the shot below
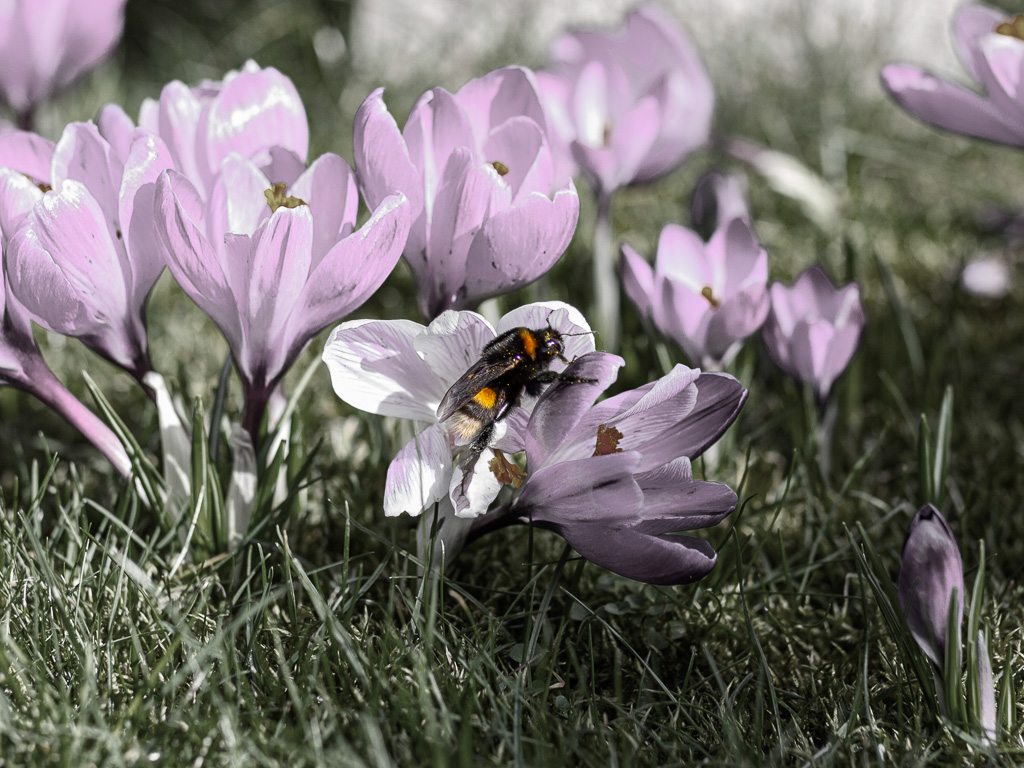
(614, 479)
(991, 48)
(629, 106)
(402, 369)
(813, 329)
(46, 44)
(719, 198)
(85, 259)
(272, 265)
(707, 297)
(21, 365)
(488, 214)
(254, 111)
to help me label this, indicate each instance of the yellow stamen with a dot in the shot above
(500, 167)
(1012, 28)
(276, 198)
(506, 472)
(708, 294)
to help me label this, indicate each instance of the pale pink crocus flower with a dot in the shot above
(85, 259)
(813, 329)
(272, 265)
(990, 45)
(47, 44)
(255, 112)
(488, 213)
(21, 364)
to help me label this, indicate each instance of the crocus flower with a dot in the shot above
(85, 259)
(813, 329)
(930, 570)
(707, 297)
(629, 106)
(254, 111)
(476, 167)
(991, 48)
(272, 265)
(402, 369)
(46, 44)
(21, 364)
(614, 479)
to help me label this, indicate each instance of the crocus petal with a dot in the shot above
(329, 187)
(237, 202)
(418, 476)
(27, 153)
(117, 128)
(255, 110)
(374, 367)
(666, 559)
(519, 244)
(637, 280)
(18, 195)
(351, 271)
(63, 265)
(519, 145)
(948, 106)
(930, 571)
(381, 155)
(175, 119)
(436, 127)
(85, 156)
(191, 259)
(674, 501)
(147, 158)
(499, 96)
(552, 426)
(971, 23)
(582, 491)
(473, 490)
(717, 199)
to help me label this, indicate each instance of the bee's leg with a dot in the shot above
(536, 385)
(470, 456)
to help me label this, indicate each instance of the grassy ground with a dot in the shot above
(317, 644)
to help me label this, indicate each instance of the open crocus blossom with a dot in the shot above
(477, 169)
(629, 106)
(85, 259)
(272, 265)
(614, 479)
(707, 297)
(21, 365)
(813, 329)
(254, 111)
(46, 44)
(991, 47)
(402, 369)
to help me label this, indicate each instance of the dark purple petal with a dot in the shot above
(674, 501)
(560, 407)
(594, 488)
(665, 559)
(930, 570)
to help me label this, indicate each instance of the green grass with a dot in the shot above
(318, 643)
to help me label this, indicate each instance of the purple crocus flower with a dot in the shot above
(991, 48)
(477, 169)
(813, 329)
(629, 106)
(402, 369)
(21, 364)
(254, 111)
(46, 44)
(272, 265)
(707, 297)
(84, 260)
(930, 570)
(614, 479)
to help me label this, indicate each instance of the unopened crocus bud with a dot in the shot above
(930, 570)
(813, 329)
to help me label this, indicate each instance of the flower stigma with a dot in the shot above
(1012, 28)
(709, 294)
(276, 198)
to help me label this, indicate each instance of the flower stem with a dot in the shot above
(38, 380)
(606, 283)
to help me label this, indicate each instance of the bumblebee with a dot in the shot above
(515, 362)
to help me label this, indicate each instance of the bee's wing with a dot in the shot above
(472, 381)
